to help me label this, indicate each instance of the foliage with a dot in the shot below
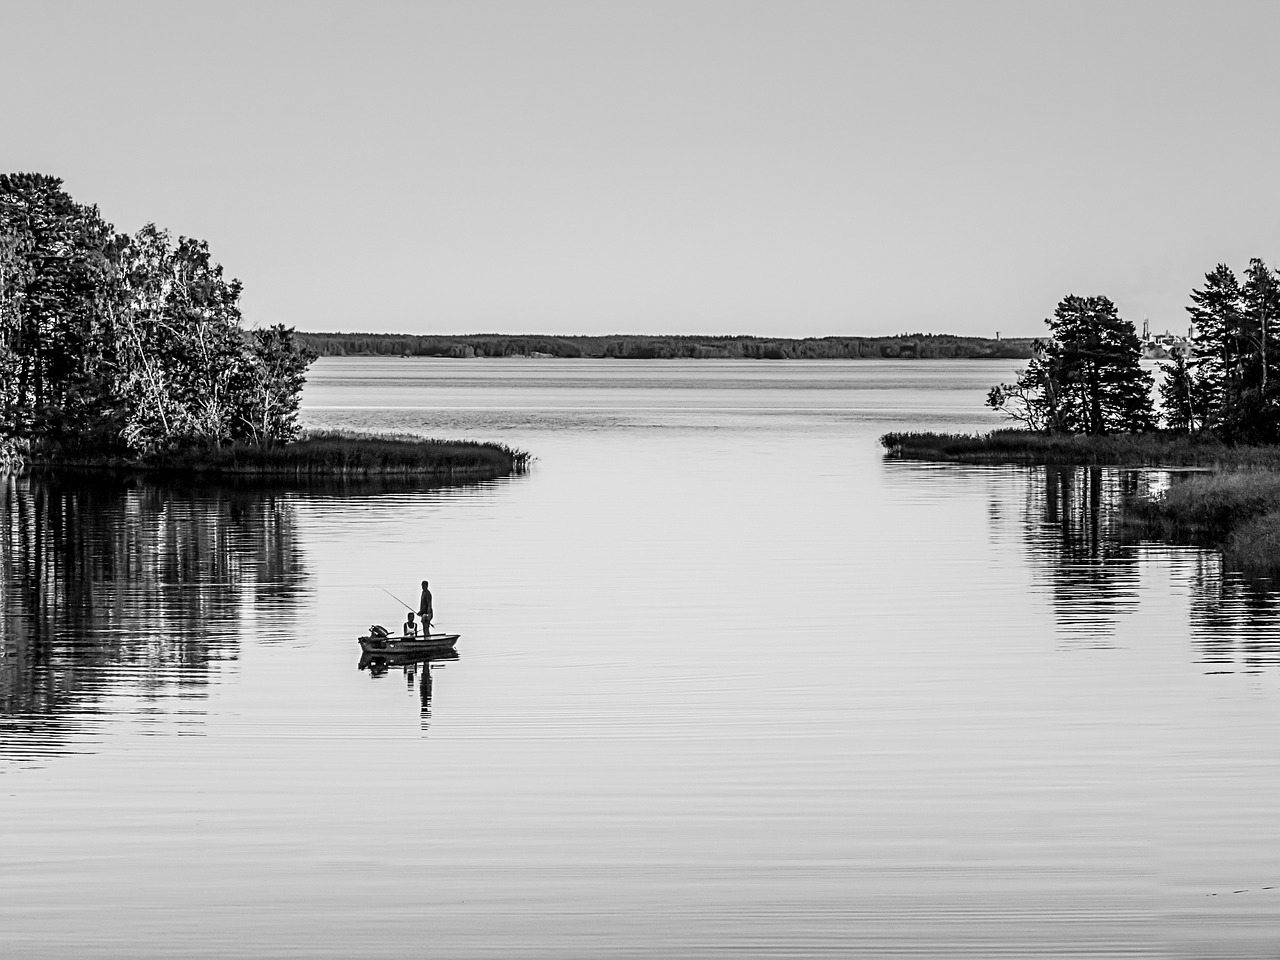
(55, 348)
(128, 345)
(270, 387)
(1235, 370)
(1184, 396)
(1086, 378)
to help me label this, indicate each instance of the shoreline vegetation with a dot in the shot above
(127, 353)
(1155, 449)
(906, 346)
(1084, 400)
(322, 455)
(1228, 496)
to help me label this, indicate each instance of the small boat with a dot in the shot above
(405, 645)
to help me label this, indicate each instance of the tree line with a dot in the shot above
(1085, 377)
(633, 347)
(128, 345)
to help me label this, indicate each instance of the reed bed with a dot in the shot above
(1156, 448)
(332, 454)
(1236, 510)
(1213, 505)
(1254, 546)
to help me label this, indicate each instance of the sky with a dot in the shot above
(786, 168)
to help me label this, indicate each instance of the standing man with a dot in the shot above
(425, 613)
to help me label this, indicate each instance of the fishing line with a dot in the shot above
(397, 599)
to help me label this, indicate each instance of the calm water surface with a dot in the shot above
(729, 684)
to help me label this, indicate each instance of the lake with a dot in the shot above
(729, 684)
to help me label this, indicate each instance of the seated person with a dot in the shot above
(410, 628)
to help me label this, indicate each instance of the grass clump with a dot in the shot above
(1254, 546)
(1214, 506)
(1237, 511)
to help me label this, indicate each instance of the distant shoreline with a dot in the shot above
(914, 346)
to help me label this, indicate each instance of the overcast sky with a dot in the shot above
(783, 168)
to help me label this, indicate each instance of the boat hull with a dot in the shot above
(403, 645)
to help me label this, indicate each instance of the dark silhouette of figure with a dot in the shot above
(425, 612)
(424, 689)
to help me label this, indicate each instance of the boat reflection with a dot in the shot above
(416, 667)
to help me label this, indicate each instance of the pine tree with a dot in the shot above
(1087, 378)
(1219, 347)
(1185, 399)
(1236, 367)
(1260, 315)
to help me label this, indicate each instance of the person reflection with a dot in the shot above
(424, 690)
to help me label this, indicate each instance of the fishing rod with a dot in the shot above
(401, 602)
(397, 599)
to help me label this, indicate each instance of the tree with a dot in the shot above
(1185, 400)
(182, 347)
(1219, 345)
(113, 344)
(1260, 316)
(1085, 379)
(270, 388)
(1032, 400)
(1236, 365)
(56, 342)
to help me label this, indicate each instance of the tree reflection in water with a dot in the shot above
(128, 585)
(1074, 526)
(1093, 561)
(1235, 620)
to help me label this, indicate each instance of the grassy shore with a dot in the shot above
(1158, 448)
(323, 455)
(1233, 502)
(1236, 510)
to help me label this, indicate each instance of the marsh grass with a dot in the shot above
(1211, 504)
(1156, 448)
(331, 454)
(1238, 511)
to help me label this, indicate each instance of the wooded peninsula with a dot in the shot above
(121, 351)
(1084, 399)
